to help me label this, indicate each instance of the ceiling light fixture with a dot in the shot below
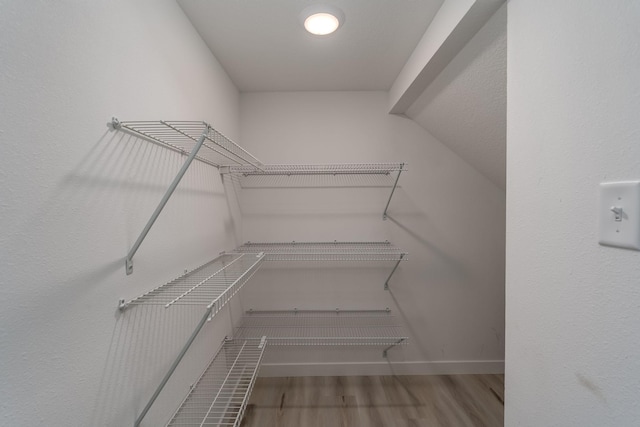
(322, 20)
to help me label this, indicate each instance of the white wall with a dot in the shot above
(446, 215)
(74, 197)
(572, 306)
(465, 107)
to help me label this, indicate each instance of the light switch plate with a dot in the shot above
(619, 212)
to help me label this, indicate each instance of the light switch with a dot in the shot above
(620, 214)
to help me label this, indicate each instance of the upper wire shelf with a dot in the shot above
(221, 394)
(319, 169)
(182, 136)
(212, 284)
(186, 137)
(325, 251)
(323, 327)
(347, 175)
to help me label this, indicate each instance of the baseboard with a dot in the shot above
(382, 368)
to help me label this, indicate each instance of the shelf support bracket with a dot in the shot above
(172, 368)
(385, 352)
(395, 267)
(395, 184)
(163, 202)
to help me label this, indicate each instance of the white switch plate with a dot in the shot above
(624, 233)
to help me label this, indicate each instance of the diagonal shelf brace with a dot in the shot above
(395, 184)
(395, 267)
(173, 367)
(385, 352)
(163, 202)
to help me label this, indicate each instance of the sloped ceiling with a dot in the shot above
(465, 105)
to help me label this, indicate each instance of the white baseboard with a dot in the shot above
(382, 368)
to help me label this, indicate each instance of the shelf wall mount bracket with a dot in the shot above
(395, 185)
(395, 267)
(129, 259)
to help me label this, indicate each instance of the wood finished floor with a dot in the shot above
(384, 401)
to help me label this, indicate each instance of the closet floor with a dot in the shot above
(385, 401)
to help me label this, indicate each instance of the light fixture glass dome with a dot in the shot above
(321, 20)
(321, 24)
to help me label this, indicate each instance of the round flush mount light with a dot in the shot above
(321, 20)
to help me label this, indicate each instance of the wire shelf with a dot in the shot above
(348, 175)
(182, 136)
(323, 327)
(326, 169)
(325, 251)
(212, 284)
(220, 396)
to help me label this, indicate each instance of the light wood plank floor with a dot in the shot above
(385, 401)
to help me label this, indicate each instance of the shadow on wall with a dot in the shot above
(67, 254)
(425, 240)
(451, 266)
(232, 195)
(144, 343)
(428, 278)
(118, 178)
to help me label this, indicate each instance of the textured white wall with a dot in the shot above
(572, 306)
(75, 196)
(449, 16)
(446, 215)
(465, 107)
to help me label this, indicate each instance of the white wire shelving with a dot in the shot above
(189, 137)
(220, 396)
(212, 284)
(317, 169)
(318, 175)
(186, 137)
(182, 136)
(329, 251)
(323, 327)
(325, 251)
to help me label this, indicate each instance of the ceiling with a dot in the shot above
(263, 46)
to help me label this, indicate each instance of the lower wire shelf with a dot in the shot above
(220, 396)
(323, 327)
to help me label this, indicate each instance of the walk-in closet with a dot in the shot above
(318, 213)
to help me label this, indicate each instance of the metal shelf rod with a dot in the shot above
(386, 350)
(166, 142)
(235, 362)
(395, 184)
(195, 140)
(221, 393)
(211, 285)
(256, 163)
(161, 205)
(222, 286)
(173, 367)
(314, 169)
(386, 283)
